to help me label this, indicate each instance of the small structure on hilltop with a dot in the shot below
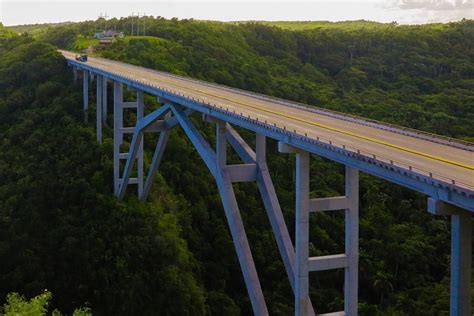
(107, 37)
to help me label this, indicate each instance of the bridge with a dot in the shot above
(439, 167)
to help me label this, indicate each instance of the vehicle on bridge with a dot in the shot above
(82, 57)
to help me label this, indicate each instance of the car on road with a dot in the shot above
(82, 57)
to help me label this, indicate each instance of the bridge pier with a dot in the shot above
(74, 71)
(99, 110)
(119, 132)
(85, 94)
(348, 260)
(461, 256)
(104, 100)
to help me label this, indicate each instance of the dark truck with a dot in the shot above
(82, 57)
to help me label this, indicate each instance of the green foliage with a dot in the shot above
(17, 305)
(60, 226)
(82, 42)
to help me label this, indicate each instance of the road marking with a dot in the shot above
(381, 142)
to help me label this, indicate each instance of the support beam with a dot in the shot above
(221, 144)
(240, 146)
(461, 255)
(135, 146)
(226, 191)
(351, 272)
(461, 264)
(329, 204)
(141, 140)
(85, 94)
(74, 71)
(104, 100)
(99, 101)
(164, 127)
(242, 173)
(155, 162)
(270, 199)
(302, 234)
(118, 136)
(203, 148)
(330, 262)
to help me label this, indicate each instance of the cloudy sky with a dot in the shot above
(13, 12)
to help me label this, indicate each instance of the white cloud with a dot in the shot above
(432, 5)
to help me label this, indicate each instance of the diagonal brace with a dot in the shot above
(135, 144)
(231, 209)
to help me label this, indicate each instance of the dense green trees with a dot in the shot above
(61, 229)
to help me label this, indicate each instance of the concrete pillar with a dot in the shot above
(461, 264)
(74, 71)
(99, 101)
(85, 94)
(118, 121)
(221, 144)
(352, 242)
(104, 100)
(261, 148)
(302, 234)
(140, 112)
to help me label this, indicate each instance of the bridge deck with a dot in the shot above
(444, 161)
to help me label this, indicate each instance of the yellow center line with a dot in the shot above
(377, 141)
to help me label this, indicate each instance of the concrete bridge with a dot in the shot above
(440, 167)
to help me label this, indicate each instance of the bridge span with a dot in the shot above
(440, 167)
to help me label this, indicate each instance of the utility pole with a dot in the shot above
(105, 20)
(138, 23)
(144, 25)
(132, 23)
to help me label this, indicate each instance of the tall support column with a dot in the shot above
(275, 215)
(74, 71)
(140, 111)
(216, 164)
(85, 94)
(302, 234)
(104, 100)
(461, 264)
(99, 101)
(351, 242)
(118, 125)
(221, 144)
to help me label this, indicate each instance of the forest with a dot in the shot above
(62, 230)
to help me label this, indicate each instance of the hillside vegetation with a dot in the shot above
(62, 229)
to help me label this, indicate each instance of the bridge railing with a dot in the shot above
(387, 163)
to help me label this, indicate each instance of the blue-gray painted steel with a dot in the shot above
(231, 209)
(142, 124)
(461, 264)
(444, 190)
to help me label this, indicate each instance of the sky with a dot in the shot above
(15, 12)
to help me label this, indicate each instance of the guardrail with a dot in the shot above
(354, 152)
(457, 143)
